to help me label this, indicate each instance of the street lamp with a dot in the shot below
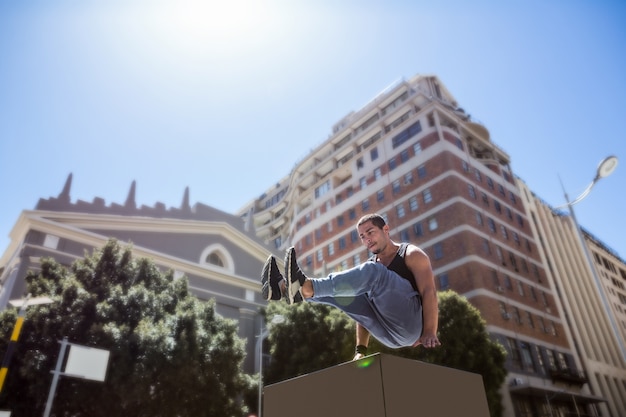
(278, 318)
(22, 304)
(605, 168)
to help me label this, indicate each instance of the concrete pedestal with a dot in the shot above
(379, 385)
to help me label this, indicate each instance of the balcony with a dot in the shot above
(569, 376)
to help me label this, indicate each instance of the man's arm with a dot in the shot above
(362, 339)
(419, 264)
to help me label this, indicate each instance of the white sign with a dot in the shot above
(86, 362)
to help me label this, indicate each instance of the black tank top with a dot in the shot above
(398, 265)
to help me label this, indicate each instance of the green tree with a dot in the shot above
(312, 337)
(315, 337)
(170, 354)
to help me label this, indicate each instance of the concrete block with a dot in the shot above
(379, 385)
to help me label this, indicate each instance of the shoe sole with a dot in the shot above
(293, 288)
(266, 288)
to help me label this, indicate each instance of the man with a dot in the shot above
(392, 296)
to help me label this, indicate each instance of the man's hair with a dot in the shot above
(376, 219)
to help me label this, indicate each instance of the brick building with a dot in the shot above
(414, 156)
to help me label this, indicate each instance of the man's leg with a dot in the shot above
(396, 306)
(360, 309)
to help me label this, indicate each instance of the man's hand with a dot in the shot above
(428, 341)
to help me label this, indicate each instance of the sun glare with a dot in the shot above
(206, 23)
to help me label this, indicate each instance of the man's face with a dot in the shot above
(374, 238)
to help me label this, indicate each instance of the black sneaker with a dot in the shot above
(293, 276)
(270, 280)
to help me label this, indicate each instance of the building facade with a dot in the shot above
(592, 298)
(415, 157)
(221, 259)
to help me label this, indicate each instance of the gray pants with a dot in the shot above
(379, 299)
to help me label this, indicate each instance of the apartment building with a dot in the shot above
(417, 158)
(221, 260)
(593, 299)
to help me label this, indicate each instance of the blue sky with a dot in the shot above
(226, 97)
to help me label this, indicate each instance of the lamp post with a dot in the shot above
(17, 328)
(605, 168)
(278, 318)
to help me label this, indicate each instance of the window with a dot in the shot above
(459, 143)
(527, 357)
(404, 235)
(438, 250)
(516, 356)
(520, 220)
(406, 134)
(504, 231)
(413, 205)
(380, 195)
(515, 315)
(320, 255)
(404, 156)
(374, 154)
(352, 214)
(520, 288)
(51, 241)
(395, 186)
(491, 224)
(465, 166)
(400, 211)
(331, 249)
(512, 197)
(485, 199)
(392, 164)
(507, 282)
(479, 218)
(359, 163)
(340, 221)
(217, 256)
(432, 224)
(427, 196)
(356, 259)
(354, 236)
(322, 189)
(497, 206)
(421, 171)
(408, 178)
(363, 182)
(486, 247)
(418, 229)
(472, 191)
(215, 259)
(490, 183)
(551, 358)
(501, 190)
(417, 148)
(377, 173)
(443, 281)
(477, 174)
(365, 205)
